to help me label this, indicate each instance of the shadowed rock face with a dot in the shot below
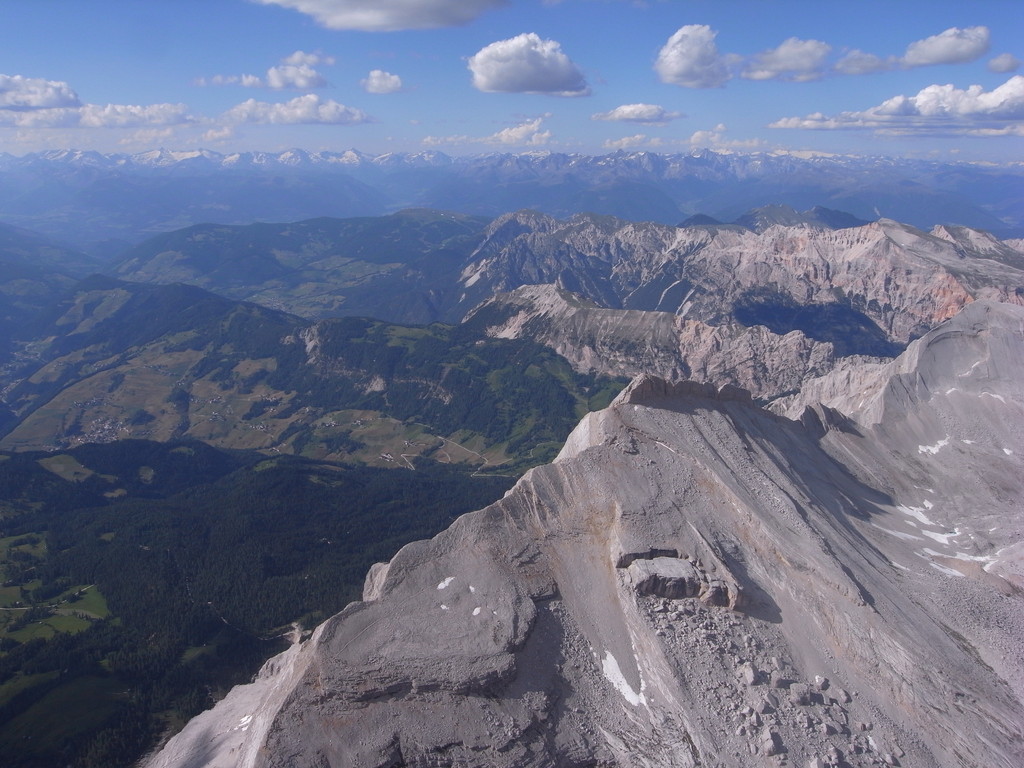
(696, 581)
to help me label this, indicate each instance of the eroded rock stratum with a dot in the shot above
(697, 581)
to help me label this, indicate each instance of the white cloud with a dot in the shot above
(857, 62)
(17, 92)
(691, 59)
(525, 134)
(296, 71)
(389, 15)
(715, 139)
(637, 140)
(954, 46)
(937, 109)
(127, 115)
(301, 77)
(308, 109)
(379, 81)
(526, 64)
(1004, 63)
(638, 113)
(99, 116)
(795, 59)
(300, 58)
(220, 133)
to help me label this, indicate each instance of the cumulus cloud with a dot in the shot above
(527, 134)
(219, 133)
(301, 77)
(379, 81)
(857, 62)
(937, 109)
(389, 15)
(795, 59)
(691, 59)
(637, 140)
(295, 71)
(307, 109)
(1004, 63)
(17, 92)
(954, 46)
(638, 113)
(526, 64)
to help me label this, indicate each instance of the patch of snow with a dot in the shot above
(1007, 451)
(444, 584)
(898, 534)
(968, 442)
(942, 538)
(927, 504)
(960, 556)
(933, 449)
(444, 607)
(472, 588)
(951, 390)
(897, 565)
(916, 512)
(1000, 398)
(611, 670)
(476, 611)
(971, 369)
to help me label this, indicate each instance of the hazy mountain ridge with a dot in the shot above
(95, 197)
(695, 581)
(396, 267)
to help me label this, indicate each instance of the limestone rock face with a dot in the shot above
(697, 581)
(631, 342)
(903, 279)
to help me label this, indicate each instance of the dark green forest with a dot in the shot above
(142, 580)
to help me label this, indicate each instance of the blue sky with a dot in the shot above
(902, 77)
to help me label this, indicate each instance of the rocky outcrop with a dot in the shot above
(694, 581)
(891, 278)
(631, 342)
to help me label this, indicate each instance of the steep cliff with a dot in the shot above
(864, 286)
(696, 581)
(629, 342)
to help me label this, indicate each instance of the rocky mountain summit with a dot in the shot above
(697, 581)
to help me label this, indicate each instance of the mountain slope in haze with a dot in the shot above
(34, 272)
(118, 360)
(389, 267)
(696, 581)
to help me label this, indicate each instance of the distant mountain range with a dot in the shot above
(103, 202)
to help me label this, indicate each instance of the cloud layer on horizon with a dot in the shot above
(935, 109)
